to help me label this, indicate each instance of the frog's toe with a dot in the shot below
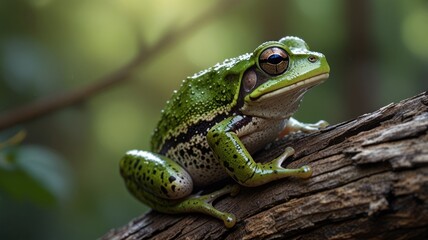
(229, 220)
(233, 190)
(289, 151)
(313, 127)
(321, 124)
(305, 172)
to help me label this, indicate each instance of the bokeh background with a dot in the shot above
(62, 180)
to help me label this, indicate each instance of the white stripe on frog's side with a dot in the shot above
(184, 127)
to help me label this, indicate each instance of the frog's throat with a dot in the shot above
(283, 102)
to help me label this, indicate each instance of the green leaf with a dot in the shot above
(34, 173)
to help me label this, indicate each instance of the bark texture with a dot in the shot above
(370, 181)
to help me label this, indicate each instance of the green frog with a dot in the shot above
(217, 119)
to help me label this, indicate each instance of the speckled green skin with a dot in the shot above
(214, 122)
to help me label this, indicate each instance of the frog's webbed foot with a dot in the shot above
(294, 126)
(203, 204)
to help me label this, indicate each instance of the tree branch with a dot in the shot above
(370, 181)
(51, 104)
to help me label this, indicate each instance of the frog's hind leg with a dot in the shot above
(165, 186)
(194, 203)
(155, 174)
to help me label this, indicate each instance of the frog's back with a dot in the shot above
(202, 98)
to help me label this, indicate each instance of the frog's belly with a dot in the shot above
(260, 132)
(197, 158)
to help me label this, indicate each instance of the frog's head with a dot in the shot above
(283, 71)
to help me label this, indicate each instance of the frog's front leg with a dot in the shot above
(165, 186)
(237, 161)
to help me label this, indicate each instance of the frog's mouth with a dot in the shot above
(283, 102)
(305, 84)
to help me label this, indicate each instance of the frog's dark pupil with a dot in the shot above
(275, 59)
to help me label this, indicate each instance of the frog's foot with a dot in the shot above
(264, 173)
(294, 126)
(203, 204)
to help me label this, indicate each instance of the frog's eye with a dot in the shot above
(273, 61)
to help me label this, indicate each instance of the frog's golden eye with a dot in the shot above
(274, 61)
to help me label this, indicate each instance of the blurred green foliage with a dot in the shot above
(34, 173)
(62, 181)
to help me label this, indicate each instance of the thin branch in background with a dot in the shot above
(51, 104)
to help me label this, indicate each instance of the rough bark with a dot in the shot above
(370, 181)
